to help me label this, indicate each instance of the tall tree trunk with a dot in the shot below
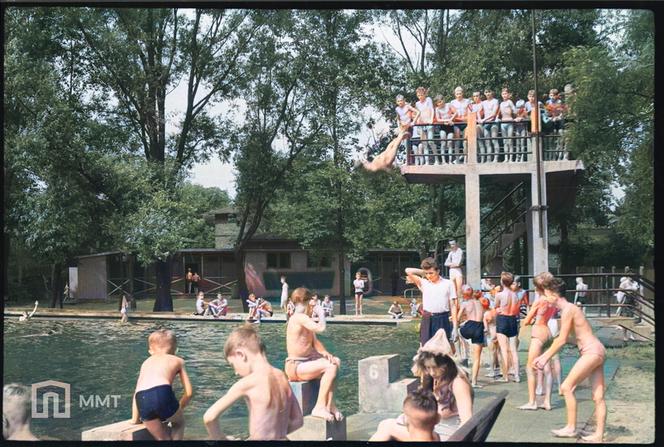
(56, 284)
(242, 290)
(164, 301)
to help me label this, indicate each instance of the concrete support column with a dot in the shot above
(473, 249)
(538, 243)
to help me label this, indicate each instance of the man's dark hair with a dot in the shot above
(429, 263)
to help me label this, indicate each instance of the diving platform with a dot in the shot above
(477, 151)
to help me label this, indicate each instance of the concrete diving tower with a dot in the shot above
(465, 159)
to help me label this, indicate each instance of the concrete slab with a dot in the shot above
(187, 316)
(118, 431)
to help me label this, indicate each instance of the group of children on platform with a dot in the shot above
(437, 128)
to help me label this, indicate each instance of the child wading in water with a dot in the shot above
(307, 357)
(154, 401)
(273, 409)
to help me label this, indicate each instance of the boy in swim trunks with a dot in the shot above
(273, 409)
(307, 357)
(473, 329)
(154, 401)
(420, 416)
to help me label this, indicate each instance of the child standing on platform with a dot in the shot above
(507, 114)
(443, 121)
(460, 107)
(426, 148)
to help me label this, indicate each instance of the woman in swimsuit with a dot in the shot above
(539, 314)
(590, 363)
(449, 384)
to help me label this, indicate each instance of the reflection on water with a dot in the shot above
(103, 357)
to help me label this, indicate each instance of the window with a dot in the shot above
(318, 261)
(278, 260)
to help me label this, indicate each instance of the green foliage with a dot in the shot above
(160, 227)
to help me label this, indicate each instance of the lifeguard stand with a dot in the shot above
(545, 158)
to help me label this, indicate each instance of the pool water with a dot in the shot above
(104, 357)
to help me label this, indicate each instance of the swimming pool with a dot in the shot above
(99, 357)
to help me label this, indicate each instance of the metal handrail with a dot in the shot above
(503, 218)
(500, 202)
(502, 232)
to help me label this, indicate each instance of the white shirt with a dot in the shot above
(507, 108)
(436, 296)
(284, 292)
(199, 306)
(461, 107)
(328, 305)
(454, 257)
(359, 285)
(490, 107)
(426, 109)
(443, 113)
(404, 117)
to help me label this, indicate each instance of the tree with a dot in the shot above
(277, 128)
(136, 57)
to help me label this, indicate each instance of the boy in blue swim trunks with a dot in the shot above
(473, 329)
(154, 401)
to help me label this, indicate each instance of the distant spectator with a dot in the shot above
(580, 295)
(284, 292)
(124, 308)
(395, 310)
(252, 304)
(218, 306)
(200, 304)
(195, 282)
(414, 307)
(188, 281)
(264, 308)
(16, 413)
(486, 284)
(328, 306)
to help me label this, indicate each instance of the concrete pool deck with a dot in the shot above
(188, 316)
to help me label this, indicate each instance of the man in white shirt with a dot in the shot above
(580, 294)
(454, 262)
(490, 127)
(284, 292)
(438, 298)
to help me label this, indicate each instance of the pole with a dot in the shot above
(536, 148)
